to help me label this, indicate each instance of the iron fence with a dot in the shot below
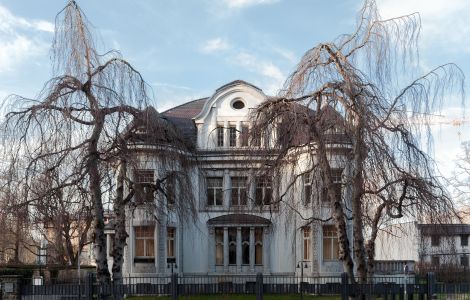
(385, 287)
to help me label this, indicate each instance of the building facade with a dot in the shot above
(240, 226)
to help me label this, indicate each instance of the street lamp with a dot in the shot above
(299, 266)
(171, 263)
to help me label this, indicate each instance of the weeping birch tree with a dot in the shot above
(360, 96)
(78, 117)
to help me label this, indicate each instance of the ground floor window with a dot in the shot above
(170, 242)
(330, 243)
(144, 242)
(307, 243)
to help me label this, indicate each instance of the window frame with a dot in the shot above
(171, 241)
(144, 181)
(147, 255)
(237, 191)
(464, 240)
(232, 136)
(215, 191)
(435, 240)
(307, 181)
(220, 133)
(307, 243)
(263, 185)
(330, 236)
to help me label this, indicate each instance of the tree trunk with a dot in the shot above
(120, 225)
(93, 162)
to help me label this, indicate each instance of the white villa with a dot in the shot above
(238, 230)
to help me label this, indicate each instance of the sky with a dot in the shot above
(185, 49)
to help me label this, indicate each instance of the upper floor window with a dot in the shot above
(307, 182)
(336, 179)
(170, 190)
(220, 136)
(330, 243)
(435, 240)
(238, 104)
(244, 136)
(435, 260)
(214, 191)
(219, 246)
(263, 190)
(144, 241)
(239, 196)
(232, 136)
(143, 185)
(464, 261)
(464, 240)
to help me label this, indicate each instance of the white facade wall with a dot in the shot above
(195, 243)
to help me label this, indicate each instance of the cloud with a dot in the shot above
(215, 45)
(444, 22)
(9, 23)
(19, 39)
(273, 76)
(247, 3)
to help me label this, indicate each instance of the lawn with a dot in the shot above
(237, 297)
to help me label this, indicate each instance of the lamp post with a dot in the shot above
(171, 263)
(405, 270)
(302, 265)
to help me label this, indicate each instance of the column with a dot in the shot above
(108, 246)
(227, 189)
(266, 251)
(252, 249)
(251, 189)
(211, 250)
(239, 136)
(226, 134)
(239, 249)
(225, 249)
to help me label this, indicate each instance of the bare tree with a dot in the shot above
(78, 114)
(354, 104)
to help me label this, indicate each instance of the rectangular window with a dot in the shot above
(464, 240)
(239, 191)
(232, 136)
(244, 136)
(435, 260)
(307, 243)
(214, 191)
(144, 185)
(464, 261)
(263, 190)
(170, 190)
(219, 246)
(144, 241)
(435, 240)
(330, 243)
(170, 242)
(307, 181)
(232, 246)
(245, 245)
(258, 246)
(336, 179)
(220, 136)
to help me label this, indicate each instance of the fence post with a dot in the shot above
(89, 285)
(259, 286)
(174, 286)
(344, 286)
(431, 285)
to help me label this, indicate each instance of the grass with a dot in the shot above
(237, 297)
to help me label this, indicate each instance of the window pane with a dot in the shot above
(139, 248)
(233, 136)
(214, 190)
(149, 248)
(170, 244)
(330, 243)
(258, 254)
(219, 246)
(220, 136)
(244, 136)
(245, 254)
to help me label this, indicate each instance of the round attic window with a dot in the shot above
(238, 104)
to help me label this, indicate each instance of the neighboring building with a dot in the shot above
(238, 230)
(431, 245)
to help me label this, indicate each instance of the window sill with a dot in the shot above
(144, 259)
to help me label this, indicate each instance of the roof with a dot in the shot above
(187, 110)
(444, 229)
(238, 219)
